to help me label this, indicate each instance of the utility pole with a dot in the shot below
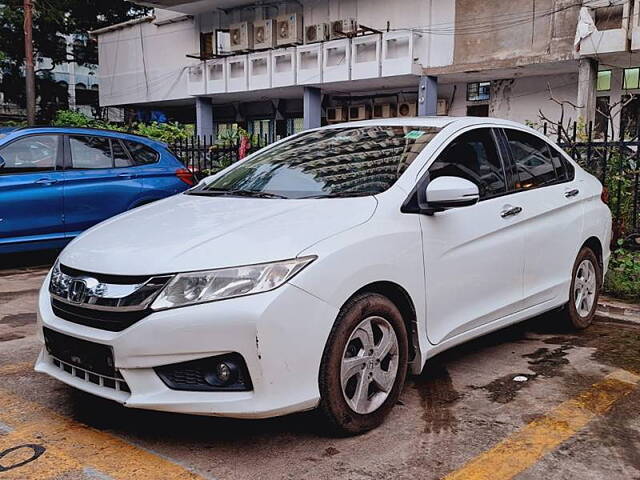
(30, 81)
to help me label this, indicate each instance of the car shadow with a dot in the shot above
(27, 260)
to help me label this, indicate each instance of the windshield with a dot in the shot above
(336, 162)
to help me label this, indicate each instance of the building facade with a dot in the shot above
(275, 68)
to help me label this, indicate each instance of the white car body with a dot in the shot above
(465, 272)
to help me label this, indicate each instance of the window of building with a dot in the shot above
(608, 18)
(604, 81)
(601, 123)
(478, 91)
(532, 160)
(629, 116)
(477, 110)
(631, 78)
(206, 45)
(474, 156)
(35, 153)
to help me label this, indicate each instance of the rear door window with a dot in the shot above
(35, 153)
(534, 167)
(141, 154)
(90, 152)
(120, 156)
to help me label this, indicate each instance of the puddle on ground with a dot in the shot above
(437, 396)
(616, 345)
(543, 363)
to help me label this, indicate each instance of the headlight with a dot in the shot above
(207, 286)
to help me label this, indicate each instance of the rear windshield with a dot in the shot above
(350, 161)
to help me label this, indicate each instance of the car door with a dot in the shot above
(473, 255)
(99, 181)
(552, 212)
(31, 189)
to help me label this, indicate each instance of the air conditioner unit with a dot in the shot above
(241, 37)
(343, 28)
(264, 34)
(406, 109)
(289, 29)
(442, 107)
(336, 114)
(384, 110)
(359, 112)
(316, 33)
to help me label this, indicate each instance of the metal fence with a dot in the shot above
(615, 162)
(205, 155)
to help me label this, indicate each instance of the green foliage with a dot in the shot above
(164, 132)
(623, 276)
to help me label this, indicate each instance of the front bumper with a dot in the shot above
(280, 334)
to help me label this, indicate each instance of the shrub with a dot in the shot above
(164, 132)
(623, 278)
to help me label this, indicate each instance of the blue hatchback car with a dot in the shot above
(56, 182)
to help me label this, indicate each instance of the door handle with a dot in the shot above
(510, 211)
(46, 181)
(571, 193)
(126, 175)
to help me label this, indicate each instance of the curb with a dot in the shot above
(618, 310)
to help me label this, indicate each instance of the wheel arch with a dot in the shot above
(403, 301)
(595, 245)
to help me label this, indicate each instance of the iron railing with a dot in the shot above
(615, 162)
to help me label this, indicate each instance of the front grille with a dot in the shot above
(88, 361)
(104, 301)
(115, 383)
(112, 321)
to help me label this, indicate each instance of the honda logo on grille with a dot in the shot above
(77, 291)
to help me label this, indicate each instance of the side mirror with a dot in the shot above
(443, 193)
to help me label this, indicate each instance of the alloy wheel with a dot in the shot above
(585, 287)
(369, 365)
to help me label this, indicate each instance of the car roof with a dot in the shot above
(430, 121)
(84, 130)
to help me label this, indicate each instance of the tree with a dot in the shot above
(53, 19)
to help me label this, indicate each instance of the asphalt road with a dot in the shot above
(577, 415)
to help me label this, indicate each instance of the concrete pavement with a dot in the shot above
(575, 416)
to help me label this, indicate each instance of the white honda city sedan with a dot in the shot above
(317, 272)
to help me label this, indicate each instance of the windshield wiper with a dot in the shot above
(340, 195)
(210, 192)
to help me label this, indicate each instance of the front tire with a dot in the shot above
(586, 281)
(364, 364)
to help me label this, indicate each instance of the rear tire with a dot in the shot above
(586, 281)
(364, 365)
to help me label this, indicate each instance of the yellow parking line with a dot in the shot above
(50, 464)
(525, 447)
(70, 445)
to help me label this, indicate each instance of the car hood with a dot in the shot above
(188, 232)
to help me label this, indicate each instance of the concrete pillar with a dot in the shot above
(587, 79)
(204, 116)
(312, 107)
(428, 96)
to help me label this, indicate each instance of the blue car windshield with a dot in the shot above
(350, 161)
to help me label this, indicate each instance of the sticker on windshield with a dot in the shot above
(414, 134)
